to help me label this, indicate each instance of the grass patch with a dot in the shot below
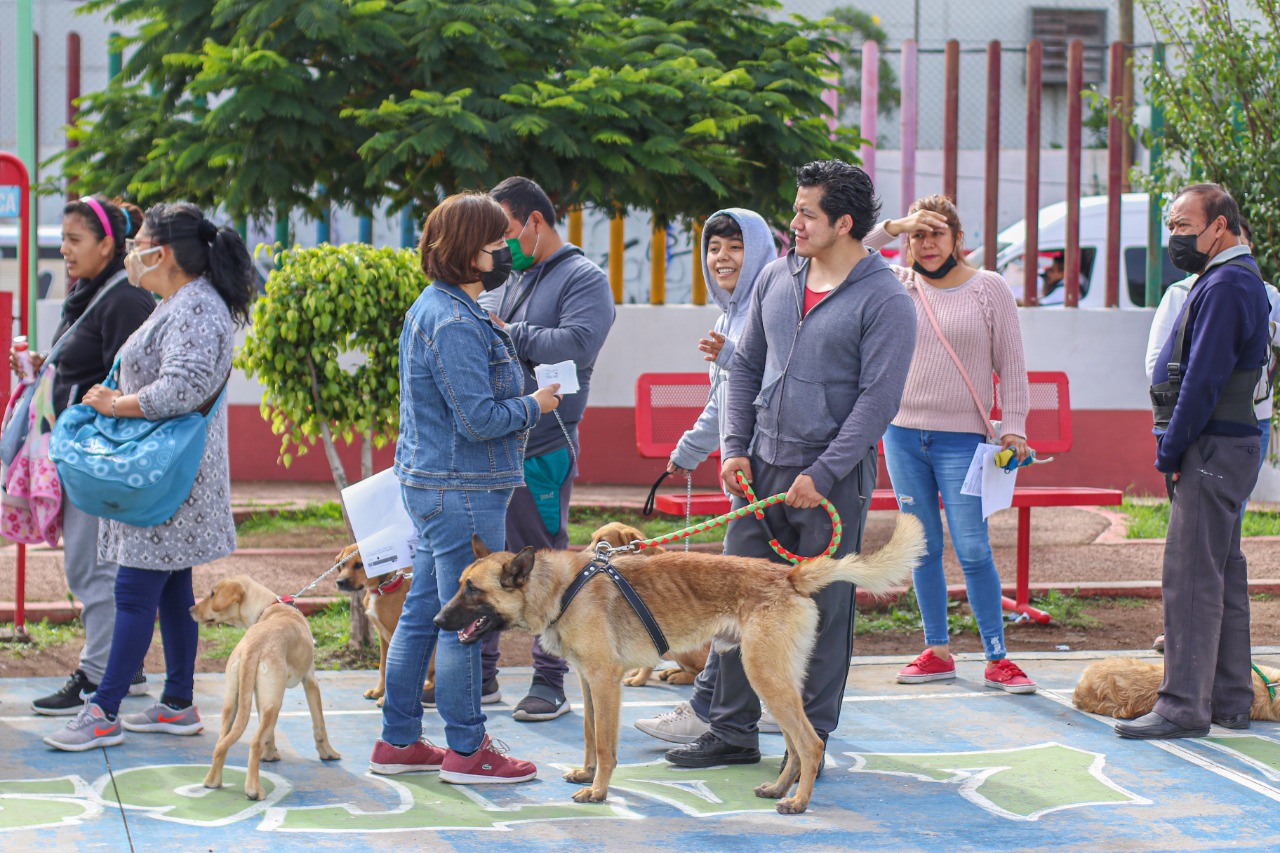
(584, 520)
(903, 617)
(1066, 609)
(43, 634)
(331, 628)
(328, 515)
(1151, 521)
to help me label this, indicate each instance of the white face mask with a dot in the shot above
(135, 269)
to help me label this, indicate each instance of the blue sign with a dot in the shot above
(10, 202)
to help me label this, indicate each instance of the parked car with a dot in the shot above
(51, 270)
(1093, 251)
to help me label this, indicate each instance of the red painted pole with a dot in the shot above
(910, 76)
(1031, 254)
(870, 104)
(991, 197)
(1115, 171)
(1075, 83)
(73, 92)
(951, 132)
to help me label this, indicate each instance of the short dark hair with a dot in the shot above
(1246, 230)
(724, 226)
(1216, 201)
(456, 230)
(125, 218)
(846, 189)
(524, 196)
(201, 248)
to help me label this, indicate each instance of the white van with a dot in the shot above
(1093, 250)
(51, 270)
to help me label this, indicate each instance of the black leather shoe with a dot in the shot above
(1155, 727)
(1233, 721)
(709, 751)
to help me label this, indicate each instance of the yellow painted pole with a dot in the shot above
(617, 235)
(658, 265)
(699, 281)
(575, 226)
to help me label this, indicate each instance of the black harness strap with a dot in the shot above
(633, 598)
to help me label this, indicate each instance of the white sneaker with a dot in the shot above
(767, 725)
(679, 725)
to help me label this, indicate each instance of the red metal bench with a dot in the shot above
(668, 403)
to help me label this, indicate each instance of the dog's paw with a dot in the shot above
(636, 678)
(374, 693)
(270, 753)
(328, 753)
(771, 791)
(254, 793)
(589, 795)
(382, 701)
(581, 776)
(792, 805)
(678, 676)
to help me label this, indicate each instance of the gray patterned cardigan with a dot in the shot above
(174, 362)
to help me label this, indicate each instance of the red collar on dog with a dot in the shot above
(287, 599)
(388, 587)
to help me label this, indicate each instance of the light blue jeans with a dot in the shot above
(445, 520)
(924, 464)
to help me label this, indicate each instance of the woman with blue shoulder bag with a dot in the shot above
(176, 363)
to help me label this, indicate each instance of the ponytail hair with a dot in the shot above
(201, 248)
(124, 218)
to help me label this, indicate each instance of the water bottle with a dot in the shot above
(22, 350)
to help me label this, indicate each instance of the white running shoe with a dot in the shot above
(679, 725)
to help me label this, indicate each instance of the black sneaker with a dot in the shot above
(138, 687)
(543, 703)
(490, 694)
(710, 751)
(69, 699)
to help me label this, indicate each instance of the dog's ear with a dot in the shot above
(478, 547)
(227, 593)
(516, 573)
(630, 534)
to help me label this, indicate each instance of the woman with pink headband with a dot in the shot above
(94, 231)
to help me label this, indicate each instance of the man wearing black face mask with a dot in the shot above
(1209, 441)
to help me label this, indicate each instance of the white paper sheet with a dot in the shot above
(564, 372)
(987, 480)
(386, 535)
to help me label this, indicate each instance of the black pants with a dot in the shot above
(735, 708)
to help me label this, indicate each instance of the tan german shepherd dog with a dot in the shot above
(757, 604)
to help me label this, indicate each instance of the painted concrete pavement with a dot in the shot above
(950, 765)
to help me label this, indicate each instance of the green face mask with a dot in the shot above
(519, 260)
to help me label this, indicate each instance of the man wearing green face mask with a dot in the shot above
(557, 306)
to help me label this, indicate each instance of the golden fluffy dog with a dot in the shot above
(383, 603)
(691, 663)
(275, 653)
(1126, 688)
(764, 608)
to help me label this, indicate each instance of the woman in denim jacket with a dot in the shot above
(460, 454)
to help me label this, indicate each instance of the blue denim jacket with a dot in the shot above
(463, 419)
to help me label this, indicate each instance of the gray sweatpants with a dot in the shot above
(93, 583)
(734, 707)
(1206, 585)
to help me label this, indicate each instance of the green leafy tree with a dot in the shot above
(664, 105)
(1220, 93)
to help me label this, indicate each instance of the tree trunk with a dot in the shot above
(366, 454)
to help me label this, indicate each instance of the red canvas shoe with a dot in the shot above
(927, 667)
(1005, 675)
(488, 765)
(420, 757)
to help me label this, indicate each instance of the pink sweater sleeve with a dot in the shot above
(1008, 358)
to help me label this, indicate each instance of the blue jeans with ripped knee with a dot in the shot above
(924, 464)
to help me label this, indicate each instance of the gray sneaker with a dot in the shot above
(162, 718)
(768, 725)
(89, 729)
(679, 725)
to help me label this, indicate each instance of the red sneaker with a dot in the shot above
(927, 667)
(420, 757)
(1005, 675)
(488, 765)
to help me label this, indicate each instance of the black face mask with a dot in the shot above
(947, 266)
(1185, 255)
(496, 277)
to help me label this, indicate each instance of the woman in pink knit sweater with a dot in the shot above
(939, 425)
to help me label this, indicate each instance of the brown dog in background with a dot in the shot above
(384, 597)
(1126, 688)
(276, 652)
(690, 664)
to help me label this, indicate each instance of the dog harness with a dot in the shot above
(601, 564)
(290, 600)
(389, 586)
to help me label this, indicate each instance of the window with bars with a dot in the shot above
(1056, 28)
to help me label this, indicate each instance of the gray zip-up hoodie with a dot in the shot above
(758, 248)
(817, 392)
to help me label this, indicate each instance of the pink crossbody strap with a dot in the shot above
(973, 391)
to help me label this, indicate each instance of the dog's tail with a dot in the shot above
(876, 573)
(247, 675)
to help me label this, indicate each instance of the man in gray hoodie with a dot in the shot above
(817, 377)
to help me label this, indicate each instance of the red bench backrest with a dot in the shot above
(1049, 419)
(667, 404)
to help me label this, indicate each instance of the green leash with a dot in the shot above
(1270, 685)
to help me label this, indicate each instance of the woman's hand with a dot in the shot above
(711, 345)
(921, 220)
(37, 361)
(1018, 443)
(100, 398)
(547, 398)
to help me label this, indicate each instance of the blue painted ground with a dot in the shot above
(950, 766)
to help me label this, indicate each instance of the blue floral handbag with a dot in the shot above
(133, 470)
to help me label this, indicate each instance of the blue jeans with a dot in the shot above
(924, 464)
(445, 520)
